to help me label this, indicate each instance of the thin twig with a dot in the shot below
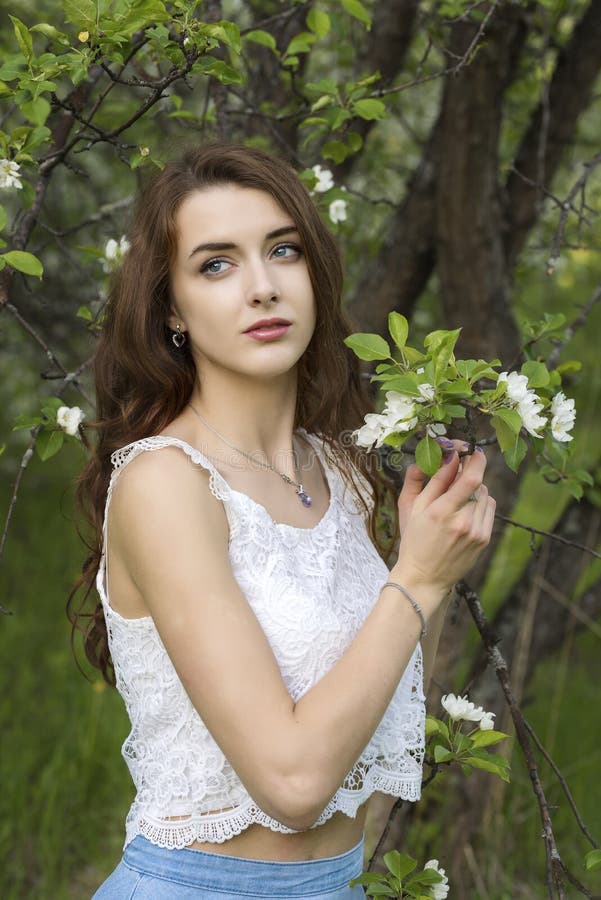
(564, 787)
(578, 322)
(22, 466)
(549, 534)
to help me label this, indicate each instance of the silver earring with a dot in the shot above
(178, 338)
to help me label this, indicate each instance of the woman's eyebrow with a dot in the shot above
(228, 245)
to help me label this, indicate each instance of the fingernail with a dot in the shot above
(447, 457)
(479, 449)
(445, 442)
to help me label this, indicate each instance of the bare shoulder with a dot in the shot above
(161, 499)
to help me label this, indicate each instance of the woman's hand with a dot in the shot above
(446, 524)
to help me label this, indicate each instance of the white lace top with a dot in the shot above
(311, 589)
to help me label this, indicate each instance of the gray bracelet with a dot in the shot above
(413, 603)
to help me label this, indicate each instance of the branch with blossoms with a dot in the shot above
(426, 390)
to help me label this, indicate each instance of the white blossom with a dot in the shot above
(400, 411)
(564, 415)
(517, 385)
(461, 708)
(486, 722)
(529, 409)
(373, 432)
(70, 418)
(435, 429)
(114, 252)
(440, 890)
(10, 174)
(426, 392)
(337, 211)
(398, 415)
(325, 179)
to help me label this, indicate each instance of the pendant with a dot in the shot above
(304, 497)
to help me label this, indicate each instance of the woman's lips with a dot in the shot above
(267, 332)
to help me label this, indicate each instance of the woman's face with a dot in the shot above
(239, 261)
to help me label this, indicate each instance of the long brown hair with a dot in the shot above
(143, 382)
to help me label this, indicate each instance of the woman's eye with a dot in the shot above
(214, 267)
(287, 251)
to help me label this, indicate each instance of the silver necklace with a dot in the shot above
(304, 498)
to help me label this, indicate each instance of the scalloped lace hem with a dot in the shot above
(216, 828)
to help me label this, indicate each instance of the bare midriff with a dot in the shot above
(337, 835)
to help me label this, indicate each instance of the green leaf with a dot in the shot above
(37, 111)
(335, 150)
(82, 13)
(441, 345)
(400, 864)
(221, 71)
(84, 312)
(488, 766)
(515, 454)
(487, 738)
(319, 22)
(25, 421)
(428, 455)
(399, 329)
(592, 860)
(225, 32)
(300, 43)
(536, 373)
(432, 726)
(52, 33)
(3, 218)
(23, 38)
(368, 346)
(402, 384)
(511, 417)
(441, 754)
(48, 443)
(24, 262)
(459, 389)
(369, 109)
(357, 11)
(264, 38)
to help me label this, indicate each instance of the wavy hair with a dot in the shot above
(143, 382)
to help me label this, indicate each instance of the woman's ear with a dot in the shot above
(174, 319)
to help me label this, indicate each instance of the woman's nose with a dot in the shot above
(262, 287)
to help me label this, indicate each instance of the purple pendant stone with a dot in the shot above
(305, 499)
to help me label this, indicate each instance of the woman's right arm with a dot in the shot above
(173, 535)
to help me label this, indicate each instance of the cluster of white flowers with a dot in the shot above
(70, 418)
(524, 399)
(337, 210)
(399, 414)
(461, 708)
(114, 253)
(10, 174)
(528, 404)
(563, 413)
(440, 890)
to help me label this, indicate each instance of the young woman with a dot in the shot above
(271, 663)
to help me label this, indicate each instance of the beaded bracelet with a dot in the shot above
(413, 603)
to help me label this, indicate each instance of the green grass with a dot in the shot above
(65, 787)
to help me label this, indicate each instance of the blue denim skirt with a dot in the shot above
(148, 872)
